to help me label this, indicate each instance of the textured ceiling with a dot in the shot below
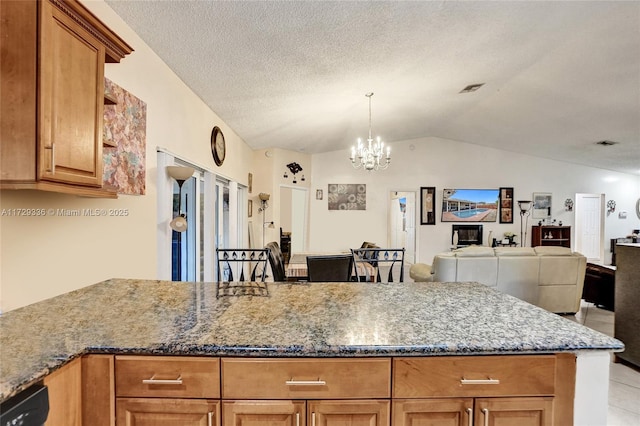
(559, 76)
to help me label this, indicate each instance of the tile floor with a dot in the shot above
(624, 381)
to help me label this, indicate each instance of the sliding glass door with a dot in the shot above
(215, 210)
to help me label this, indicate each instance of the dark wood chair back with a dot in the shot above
(373, 263)
(330, 268)
(276, 260)
(242, 264)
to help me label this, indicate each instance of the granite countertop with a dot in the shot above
(123, 316)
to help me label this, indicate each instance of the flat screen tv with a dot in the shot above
(470, 205)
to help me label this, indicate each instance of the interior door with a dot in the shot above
(589, 228)
(402, 223)
(293, 215)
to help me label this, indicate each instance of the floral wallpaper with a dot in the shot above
(125, 125)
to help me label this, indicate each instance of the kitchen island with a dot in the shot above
(297, 320)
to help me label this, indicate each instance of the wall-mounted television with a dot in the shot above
(470, 205)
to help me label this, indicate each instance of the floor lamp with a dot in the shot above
(525, 210)
(264, 198)
(181, 174)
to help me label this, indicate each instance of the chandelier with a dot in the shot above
(371, 156)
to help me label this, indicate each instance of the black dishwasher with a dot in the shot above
(28, 408)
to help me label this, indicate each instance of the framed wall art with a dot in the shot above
(470, 205)
(506, 205)
(250, 208)
(250, 182)
(349, 196)
(541, 205)
(318, 194)
(125, 135)
(427, 205)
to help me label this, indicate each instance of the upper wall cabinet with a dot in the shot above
(53, 56)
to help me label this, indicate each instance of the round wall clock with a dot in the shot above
(218, 146)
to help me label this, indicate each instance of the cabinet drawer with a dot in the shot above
(175, 377)
(265, 378)
(474, 376)
(167, 412)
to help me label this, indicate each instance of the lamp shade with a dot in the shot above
(180, 172)
(178, 224)
(524, 205)
(264, 196)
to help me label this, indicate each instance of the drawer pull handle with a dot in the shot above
(469, 413)
(210, 418)
(488, 381)
(485, 411)
(313, 419)
(297, 419)
(305, 382)
(154, 381)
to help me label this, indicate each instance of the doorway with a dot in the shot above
(293, 215)
(402, 223)
(589, 232)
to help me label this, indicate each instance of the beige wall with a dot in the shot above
(42, 257)
(450, 164)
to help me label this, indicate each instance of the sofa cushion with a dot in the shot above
(552, 251)
(514, 251)
(474, 251)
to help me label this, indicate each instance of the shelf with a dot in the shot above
(109, 99)
(561, 234)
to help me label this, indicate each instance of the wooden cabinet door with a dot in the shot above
(167, 412)
(71, 100)
(441, 412)
(65, 395)
(349, 413)
(536, 411)
(263, 413)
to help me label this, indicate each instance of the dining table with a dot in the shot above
(296, 269)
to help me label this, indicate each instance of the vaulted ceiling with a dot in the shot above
(558, 76)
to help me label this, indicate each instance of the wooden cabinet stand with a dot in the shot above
(52, 86)
(509, 390)
(559, 236)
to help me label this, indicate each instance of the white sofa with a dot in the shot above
(549, 277)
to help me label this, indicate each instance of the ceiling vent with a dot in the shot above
(606, 143)
(472, 88)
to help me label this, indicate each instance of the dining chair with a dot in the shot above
(276, 260)
(242, 264)
(330, 268)
(369, 262)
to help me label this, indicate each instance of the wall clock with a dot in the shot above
(218, 146)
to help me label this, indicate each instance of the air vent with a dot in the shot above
(472, 88)
(606, 143)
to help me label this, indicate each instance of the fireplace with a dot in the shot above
(467, 234)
